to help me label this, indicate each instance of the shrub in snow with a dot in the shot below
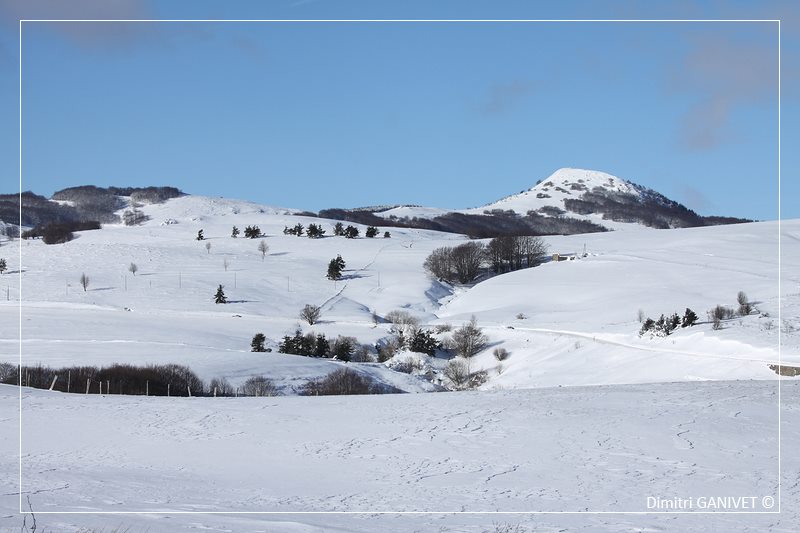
(745, 307)
(443, 328)
(401, 321)
(457, 373)
(220, 387)
(387, 235)
(469, 339)
(501, 354)
(720, 312)
(259, 386)
(371, 232)
(344, 381)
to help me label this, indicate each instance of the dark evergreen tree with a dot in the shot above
(200, 235)
(647, 325)
(252, 232)
(689, 318)
(673, 322)
(334, 270)
(235, 232)
(3, 266)
(338, 229)
(219, 297)
(371, 232)
(257, 344)
(322, 347)
(423, 342)
(351, 232)
(314, 231)
(386, 235)
(298, 230)
(340, 262)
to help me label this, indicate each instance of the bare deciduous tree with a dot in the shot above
(310, 313)
(225, 264)
(263, 248)
(132, 268)
(84, 281)
(208, 247)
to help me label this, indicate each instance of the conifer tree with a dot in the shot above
(371, 232)
(200, 235)
(338, 229)
(689, 318)
(235, 232)
(257, 344)
(3, 266)
(219, 297)
(334, 270)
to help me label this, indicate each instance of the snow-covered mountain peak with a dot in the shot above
(563, 184)
(578, 179)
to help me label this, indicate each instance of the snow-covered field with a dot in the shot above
(562, 449)
(583, 415)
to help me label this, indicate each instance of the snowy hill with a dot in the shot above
(583, 414)
(559, 204)
(580, 317)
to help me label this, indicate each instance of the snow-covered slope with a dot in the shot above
(581, 316)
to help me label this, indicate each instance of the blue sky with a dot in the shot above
(316, 115)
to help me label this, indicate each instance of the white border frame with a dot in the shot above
(330, 21)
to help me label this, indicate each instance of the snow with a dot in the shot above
(553, 191)
(583, 415)
(559, 449)
(581, 326)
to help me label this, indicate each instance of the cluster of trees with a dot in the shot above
(463, 263)
(342, 348)
(315, 231)
(510, 253)
(252, 232)
(152, 380)
(665, 325)
(59, 232)
(720, 312)
(155, 380)
(345, 381)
